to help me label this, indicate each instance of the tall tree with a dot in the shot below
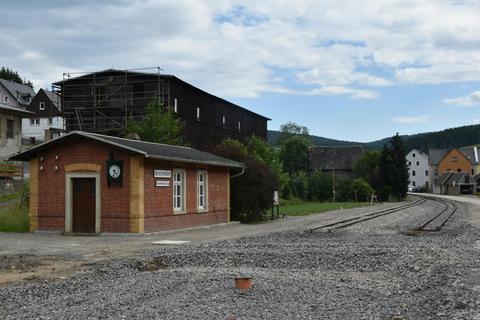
(294, 154)
(393, 169)
(291, 129)
(10, 75)
(160, 124)
(367, 167)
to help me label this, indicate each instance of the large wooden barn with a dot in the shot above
(102, 102)
(92, 183)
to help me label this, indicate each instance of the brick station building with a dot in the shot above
(91, 183)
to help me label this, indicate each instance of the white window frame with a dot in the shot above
(5, 99)
(202, 185)
(183, 187)
(239, 126)
(37, 122)
(198, 113)
(32, 122)
(50, 121)
(175, 105)
(41, 106)
(223, 121)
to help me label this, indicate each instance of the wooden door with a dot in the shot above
(83, 220)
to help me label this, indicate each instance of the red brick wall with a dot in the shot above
(115, 200)
(159, 200)
(115, 205)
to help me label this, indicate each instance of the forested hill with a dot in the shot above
(272, 138)
(448, 138)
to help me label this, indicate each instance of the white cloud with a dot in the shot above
(411, 120)
(244, 48)
(466, 101)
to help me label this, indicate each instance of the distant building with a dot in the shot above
(46, 116)
(418, 170)
(334, 159)
(443, 161)
(102, 102)
(14, 99)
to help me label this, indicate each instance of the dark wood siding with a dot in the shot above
(50, 109)
(102, 103)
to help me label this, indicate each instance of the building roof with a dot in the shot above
(338, 158)
(147, 149)
(17, 90)
(435, 155)
(454, 178)
(6, 107)
(471, 153)
(55, 98)
(162, 75)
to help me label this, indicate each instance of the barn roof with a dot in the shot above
(148, 149)
(338, 158)
(150, 74)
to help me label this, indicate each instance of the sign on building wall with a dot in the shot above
(158, 173)
(162, 183)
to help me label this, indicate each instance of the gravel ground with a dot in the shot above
(373, 270)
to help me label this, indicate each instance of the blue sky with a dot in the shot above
(350, 70)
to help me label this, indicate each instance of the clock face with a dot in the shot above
(114, 171)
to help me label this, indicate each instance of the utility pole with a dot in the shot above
(333, 184)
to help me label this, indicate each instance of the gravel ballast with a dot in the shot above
(373, 270)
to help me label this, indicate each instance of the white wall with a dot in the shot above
(418, 163)
(38, 130)
(9, 146)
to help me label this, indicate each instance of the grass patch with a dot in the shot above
(10, 196)
(13, 218)
(301, 208)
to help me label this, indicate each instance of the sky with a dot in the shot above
(350, 70)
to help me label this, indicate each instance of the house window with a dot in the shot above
(50, 121)
(10, 128)
(409, 163)
(454, 159)
(178, 191)
(32, 122)
(239, 128)
(426, 173)
(413, 183)
(202, 190)
(5, 99)
(418, 163)
(413, 173)
(37, 122)
(426, 184)
(175, 105)
(198, 114)
(459, 170)
(473, 172)
(42, 106)
(435, 172)
(413, 155)
(223, 121)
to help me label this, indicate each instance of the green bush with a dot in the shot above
(362, 190)
(384, 193)
(343, 190)
(299, 184)
(320, 186)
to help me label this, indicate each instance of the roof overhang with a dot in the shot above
(22, 112)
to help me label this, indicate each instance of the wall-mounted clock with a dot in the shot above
(114, 172)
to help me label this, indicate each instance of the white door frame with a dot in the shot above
(69, 198)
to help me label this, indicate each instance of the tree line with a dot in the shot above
(285, 168)
(10, 75)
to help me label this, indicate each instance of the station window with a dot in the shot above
(178, 190)
(202, 187)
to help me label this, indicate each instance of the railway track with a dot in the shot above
(433, 224)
